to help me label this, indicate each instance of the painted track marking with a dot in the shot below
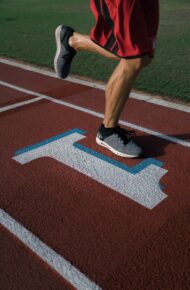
(139, 183)
(99, 115)
(20, 104)
(54, 260)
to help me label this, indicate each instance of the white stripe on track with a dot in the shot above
(100, 115)
(20, 89)
(54, 260)
(21, 104)
(138, 96)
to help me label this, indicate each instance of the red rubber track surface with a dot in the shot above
(114, 241)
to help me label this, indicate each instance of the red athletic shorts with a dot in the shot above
(127, 28)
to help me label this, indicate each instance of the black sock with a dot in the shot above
(106, 131)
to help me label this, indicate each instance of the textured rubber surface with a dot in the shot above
(114, 241)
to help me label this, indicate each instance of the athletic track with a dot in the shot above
(75, 216)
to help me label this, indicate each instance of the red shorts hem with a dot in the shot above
(150, 54)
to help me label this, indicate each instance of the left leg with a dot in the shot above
(110, 135)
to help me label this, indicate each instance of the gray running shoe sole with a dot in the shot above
(126, 155)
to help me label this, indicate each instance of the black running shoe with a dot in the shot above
(65, 53)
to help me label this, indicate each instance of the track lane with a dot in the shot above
(119, 230)
(23, 270)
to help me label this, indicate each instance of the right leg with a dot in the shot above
(68, 44)
(83, 42)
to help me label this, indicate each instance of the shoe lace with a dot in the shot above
(125, 135)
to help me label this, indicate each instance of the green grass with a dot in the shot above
(27, 33)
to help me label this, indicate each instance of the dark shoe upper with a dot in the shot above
(123, 134)
(65, 52)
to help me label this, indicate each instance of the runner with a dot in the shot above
(125, 31)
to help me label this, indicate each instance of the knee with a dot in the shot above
(137, 64)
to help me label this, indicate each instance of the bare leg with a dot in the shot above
(83, 42)
(121, 80)
(119, 87)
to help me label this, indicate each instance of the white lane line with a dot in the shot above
(54, 260)
(20, 89)
(93, 84)
(21, 104)
(100, 115)
(128, 124)
(170, 105)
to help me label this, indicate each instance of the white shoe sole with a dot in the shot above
(102, 143)
(58, 43)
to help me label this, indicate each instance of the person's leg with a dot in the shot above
(119, 87)
(109, 135)
(121, 81)
(68, 43)
(83, 42)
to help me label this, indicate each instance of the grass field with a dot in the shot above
(27, 33)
